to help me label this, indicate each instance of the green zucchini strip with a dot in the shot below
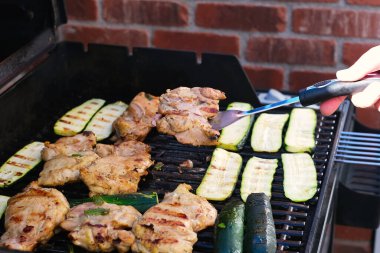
(141, 201)
(260, 232)
(3, 204)
(75, 120)
(101, 123)
(233, 137)
(20, 163)
(258, 177)
(267, 132)
(221, 176)
(300, 176)
(229, 228)
(300, 137)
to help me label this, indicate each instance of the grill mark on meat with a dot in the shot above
(170, 223)
(27, 229)
(20, 165)
(164, 240)
(22, 238)
(99, 238)
(209, 109)
(95, 225)
(24, 157)
(16, 219)
(157, 209)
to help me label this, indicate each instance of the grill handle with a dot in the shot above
(334, 88)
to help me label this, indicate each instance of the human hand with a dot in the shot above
(369, 62)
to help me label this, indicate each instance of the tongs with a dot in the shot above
(313, 94)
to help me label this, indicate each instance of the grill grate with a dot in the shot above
(292, 220)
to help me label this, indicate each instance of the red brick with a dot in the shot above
(265, 78)
(154, 12)
(245, 17)
(342, 248)
(353, 233)
(352, 52)
(291, 51)
(198, 42)
(114, 36)
(82, 10)
(337, 22)
(301, 79)
(364, 2)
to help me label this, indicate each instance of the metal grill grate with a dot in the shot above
(293, 220)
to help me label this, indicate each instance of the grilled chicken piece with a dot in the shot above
(186, 112)
(69, 145)
(170, 226)
(31, 217)
(103, 230)
(119, 170)
(136, 121)
(65, 169)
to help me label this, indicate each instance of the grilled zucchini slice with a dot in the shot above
(260, 232)
(229, 229)
(20, 163)
(300, 176)
(267, 132)
(258, 176)
(75, 120)
(221, 176)
(233, 137)
(3, 204)
(299, 137)
(142, 201)
(101, 123)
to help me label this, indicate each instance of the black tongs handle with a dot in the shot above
(334, 88)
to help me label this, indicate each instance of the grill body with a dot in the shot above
(68, 75)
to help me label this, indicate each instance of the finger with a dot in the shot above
(368, 97)
(328, 107)
(377, 105)
(367, 63)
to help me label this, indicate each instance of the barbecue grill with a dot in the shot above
(45, 78)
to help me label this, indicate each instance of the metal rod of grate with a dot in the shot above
(358, 148)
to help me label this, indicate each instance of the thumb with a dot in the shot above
(368, 97)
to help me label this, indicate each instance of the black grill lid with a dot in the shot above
(21, 21)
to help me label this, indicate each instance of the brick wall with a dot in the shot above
(285, 44)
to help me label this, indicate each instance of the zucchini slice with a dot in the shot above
(233, 137)
(140, 201)
(3, 204)
(221, 175)
(76, 119)
(258, 177)
(101, 123)
(20, 163)
(300, 176)
(260, 232)
(267, 132)
(229, 228)
(300, 134)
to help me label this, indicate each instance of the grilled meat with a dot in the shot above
(136, 121)
(31, 217)
(101, 227)
(119, 170)
(170, 226)
(186, 112)
(69, 145)
(65, 169)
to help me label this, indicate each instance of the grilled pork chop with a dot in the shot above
(69, 145)
(101, 227)
(31, 217)
(65, 169)
(186, 112)
(136, 121)
(119, 170)
(171, 226)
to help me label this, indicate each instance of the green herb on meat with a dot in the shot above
(97, 211)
